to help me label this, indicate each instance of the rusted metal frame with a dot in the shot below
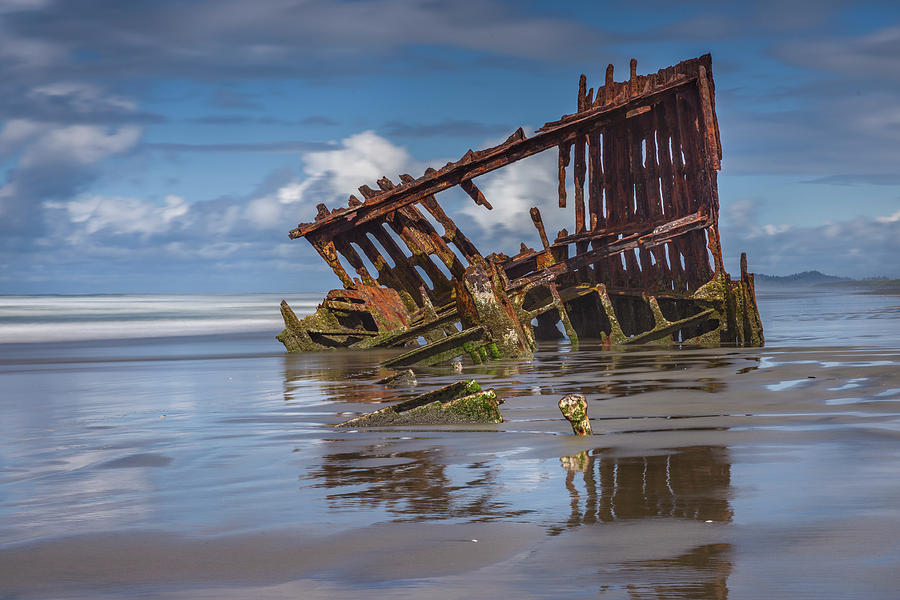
(563, 313)
(649, 270)
(581, 102)
(636, 167)
(663, 274)
(679, 191)
(628, 206)
(633, 268)
(328, 252)
(673, 182)
(659, 272)
(595, 180)
(342, 332)
(617, 274)
(346, 250)
(703, 159)
(712, 101)
(711, 155)
(710, 128)
(688, 122)
(664, 165)
(642, 293)
(626, 182)
(620, 209)
(539, 225)
(632, 227)
(651, 166)
(563, 162)
(626, 172)
(605, 93)
(399, 277)
(601, 268)
(567, 265)
(452, 233)
(474, 193)
(402, 269)
(438, 246)
(693, 249)
(696, 259)
(418, 329)
(677, 273)
(711, 201)
(666, 176)
(586, 273)
(386, 274)
(480, 163)
(518, 261)
(425, 354)
(658, 239)
(437, 182)
(404, 263)
(420, 248)
(640, 85)
(670, 328)
(630, 242)
(422, 241)
(374, 255)
(714, 243)
(579, 171)
(610, 192)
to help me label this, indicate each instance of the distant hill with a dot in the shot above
(817, 278)
(804, 278)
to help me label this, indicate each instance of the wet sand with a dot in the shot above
(200, 472)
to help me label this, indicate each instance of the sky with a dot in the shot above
(163, 146)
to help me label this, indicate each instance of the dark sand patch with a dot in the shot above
(382, 552)
(146, 459)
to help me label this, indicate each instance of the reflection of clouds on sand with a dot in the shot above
(92, 490)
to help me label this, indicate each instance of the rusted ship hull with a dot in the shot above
(643, 263)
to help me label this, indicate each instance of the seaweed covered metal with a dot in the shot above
(642, 264)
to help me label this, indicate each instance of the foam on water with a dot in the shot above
(109, 317)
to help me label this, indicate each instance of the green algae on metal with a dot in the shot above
(574, 409)
(458, 403)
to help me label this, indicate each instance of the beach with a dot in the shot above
(167, 446)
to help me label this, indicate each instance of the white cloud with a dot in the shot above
(893, 218)
(22, 5)
(53, 162)
(27, 53)
(17, 132)
(859, 247)
(775, 229)
(512, 191)
(868, 54)
(118, 215)
(83, 97)
(79, 144)
(362, 159)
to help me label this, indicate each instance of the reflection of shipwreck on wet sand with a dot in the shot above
(635, 269)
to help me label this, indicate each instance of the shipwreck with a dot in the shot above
(641, 265)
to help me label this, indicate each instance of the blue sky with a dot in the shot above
(167, 146)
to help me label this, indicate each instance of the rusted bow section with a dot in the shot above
(642, 264)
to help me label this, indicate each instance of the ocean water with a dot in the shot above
(166, 446)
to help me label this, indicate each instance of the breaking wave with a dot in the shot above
(103, 317)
